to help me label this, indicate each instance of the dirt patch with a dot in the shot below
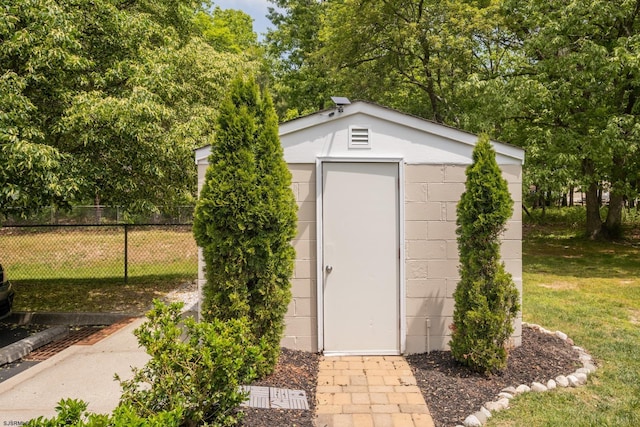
(559, 286)
(452, 392)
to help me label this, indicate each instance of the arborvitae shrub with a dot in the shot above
(486, 299)
(246, 218)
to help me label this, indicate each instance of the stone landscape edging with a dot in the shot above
(575, 379)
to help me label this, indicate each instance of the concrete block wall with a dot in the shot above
(431, 251)
(301, 320)
(431, 254)
(201, 281)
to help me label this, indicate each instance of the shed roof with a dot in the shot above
(389, 133)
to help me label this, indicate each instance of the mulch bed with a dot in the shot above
(451, 391)
(297, 370)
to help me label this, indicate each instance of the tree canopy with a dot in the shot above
(581, 67)
(301, 82)
(559, 78)
(227, 30)
(105, 100)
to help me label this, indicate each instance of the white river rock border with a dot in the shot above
(575, 379)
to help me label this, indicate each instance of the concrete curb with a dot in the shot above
(76, 319)
(20, 349)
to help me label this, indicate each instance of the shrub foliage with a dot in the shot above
(486, 299)
(72, 412)
(196, 368)
(192, 378)
(246, 218)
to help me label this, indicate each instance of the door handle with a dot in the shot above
(328, 268)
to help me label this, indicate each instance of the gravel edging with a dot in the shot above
(451, 392)
(575, 379)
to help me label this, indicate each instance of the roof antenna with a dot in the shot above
(340, 102)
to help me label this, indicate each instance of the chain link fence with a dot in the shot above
(90, 243)
(101, 215)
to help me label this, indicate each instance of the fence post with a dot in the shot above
(126, 253)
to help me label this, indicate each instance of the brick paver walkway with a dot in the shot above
(369, 391)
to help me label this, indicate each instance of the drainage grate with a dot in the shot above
(105, 331)
(272, 397)
(84, 335)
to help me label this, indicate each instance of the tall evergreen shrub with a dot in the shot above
(246, 218)
(486, 299)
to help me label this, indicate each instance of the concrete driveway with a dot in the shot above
(84, 372)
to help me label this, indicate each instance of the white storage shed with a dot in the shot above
(377, 257)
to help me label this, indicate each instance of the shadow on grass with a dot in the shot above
(569, 254)
(109, 294)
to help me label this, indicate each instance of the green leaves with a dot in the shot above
(414, 56)
(556, 78)
(486, 299)
(105, 100)
(196, 369)
(227, 30)
(74, 412)
(581, 70)
(245, 219)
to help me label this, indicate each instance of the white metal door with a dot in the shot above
(360, 214)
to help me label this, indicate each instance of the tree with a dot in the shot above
(421, 57)
(246, 218)
(227, 30)
(412, 55)
(146, 131)
(581, 70)
(486, 299)
(34, 57)
(105, 100)
(301, 81)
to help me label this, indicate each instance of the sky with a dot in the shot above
(256, 8)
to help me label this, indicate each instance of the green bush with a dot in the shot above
(245, 220)
(74, 413)
(195, 368)
(193, 377)
(486, 299)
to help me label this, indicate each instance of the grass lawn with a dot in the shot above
(105, 295)
(591, 291)
(82, 269)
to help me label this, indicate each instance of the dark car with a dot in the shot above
(6, 294)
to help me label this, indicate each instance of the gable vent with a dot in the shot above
(359, 137)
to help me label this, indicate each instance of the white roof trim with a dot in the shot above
(202, 153)
(391, 115)
(377, 112)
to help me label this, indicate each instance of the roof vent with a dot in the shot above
(359, 137)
